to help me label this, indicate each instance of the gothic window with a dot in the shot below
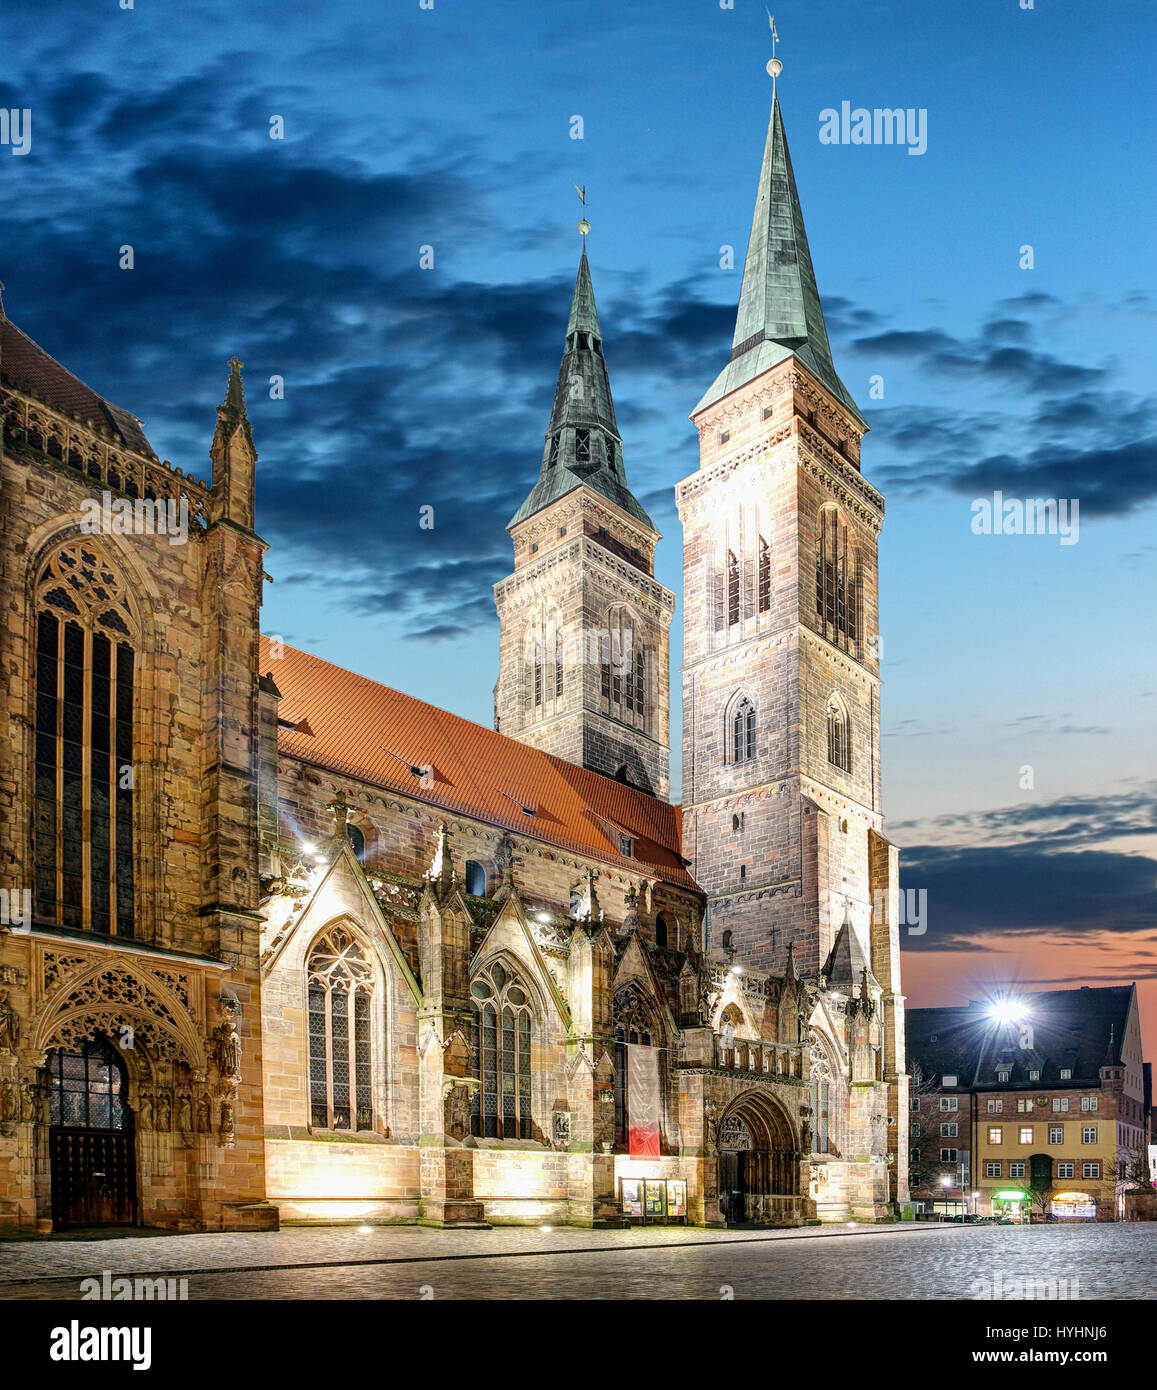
(83, 758)
(743, 732)
(623, 675)
(475, 879)
(732, 588)
(357, 841)
(837, 604)
(576, 904)
(538, 675)
(839, 742)
(88, 1088)
(340, 995)
(662, 931)
(500, 1034)
(582, 446)
(634, 1026)
(764, 576)
(558, 664)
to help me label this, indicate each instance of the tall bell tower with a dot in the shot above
(583, 665)
(782, 812)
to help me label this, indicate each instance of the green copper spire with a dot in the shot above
(780, 314)
(582, 439)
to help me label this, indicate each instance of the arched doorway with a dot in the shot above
(758, 1162)
(90, 1137)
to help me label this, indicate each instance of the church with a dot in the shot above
(281, 944)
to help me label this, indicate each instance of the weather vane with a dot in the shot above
(584, 226)
(774, 67)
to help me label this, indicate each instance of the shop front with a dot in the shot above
(1010, 1205)
(654, 1201)
(1074, 1206)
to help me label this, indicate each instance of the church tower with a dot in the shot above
(781, 693)
(583, 666)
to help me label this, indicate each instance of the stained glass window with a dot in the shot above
(88, 1088)
(340, 994)
(502, 1056)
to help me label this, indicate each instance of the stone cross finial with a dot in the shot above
(341, 810)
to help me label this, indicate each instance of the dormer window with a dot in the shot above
(582, 446)
(627, 846)
(1066, 1073)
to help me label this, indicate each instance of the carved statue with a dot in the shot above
(185, 1113)
(9, 1106)
(9, 1026)
(164, 1112)
(458, 1112)
(703, 1005)
(204, 1117)
(709, 1129)
(33, 1101)
(225, 1132)
(227, 1050)
(146, 1111)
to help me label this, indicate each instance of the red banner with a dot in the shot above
(643, 1102)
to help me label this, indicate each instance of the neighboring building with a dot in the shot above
(1051, 1105)
(306, 948)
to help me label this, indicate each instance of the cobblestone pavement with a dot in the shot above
(902, 1262)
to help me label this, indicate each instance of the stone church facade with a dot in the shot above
(279, 943)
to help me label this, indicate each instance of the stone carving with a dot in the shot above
(561, 1129)
(104, 1000)
(227, 1050)
(710, 1110)
(9, 1026)
(164, 1112)
(9, 1107)
(458, 1111)
(185, 1113)
(34, 1101)
(145, 1119)
(204, 1115)
(225, 1130)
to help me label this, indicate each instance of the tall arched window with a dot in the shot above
(357, 841)
(837, 605)
(86, 636)
(732, 588)
(341, 990)
(624, 676)
(475, 879)
(634, 1027)
(88, 1088)
(500, 1031)
(764, 576)
(839, 741)
(662, 931)
(743, 732)
(558, 663)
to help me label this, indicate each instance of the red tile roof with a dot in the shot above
(29, 368)
(363, 730)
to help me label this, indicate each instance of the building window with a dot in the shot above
(732, 588)
(88, 1088)
(764, 576)
(553, 459)
(1003, 1074)
(1056, 1134)
(582, 446)
(836, 604)
(624, 669)
(340, 992)
(1034, 1075)
(626, 846)
(83, 774)
(949, 1131)
(1023, 1106)
(1088, 1102)
(914, 1102)
(737, 822)
(995, 1107)
(947, 1155)
(1016, 1170)
(839, 743)
(662, 932)
(357, 841)
(500, 1035)
(948, 1080)
(1088, 1134)
(995, 1134)
(949, 1102)
(992, 1170)
(1064, 1170)
(475, 879)
(914, 1157)
(558, 664)
(1090, 1170)
(1026, 1134)
(1060, 1102)
(1066, 1073)
(743, 732)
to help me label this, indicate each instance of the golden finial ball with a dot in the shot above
(774, 67)
(584, 226)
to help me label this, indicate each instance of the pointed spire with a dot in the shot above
(233, 455)
(780, 313)
(235, 392)
(1111, 1058)
(582, 439)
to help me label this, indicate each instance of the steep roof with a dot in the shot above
(26, 366)
(780, 314)
(1071, 1028)
(582, 401)
(356, 728)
